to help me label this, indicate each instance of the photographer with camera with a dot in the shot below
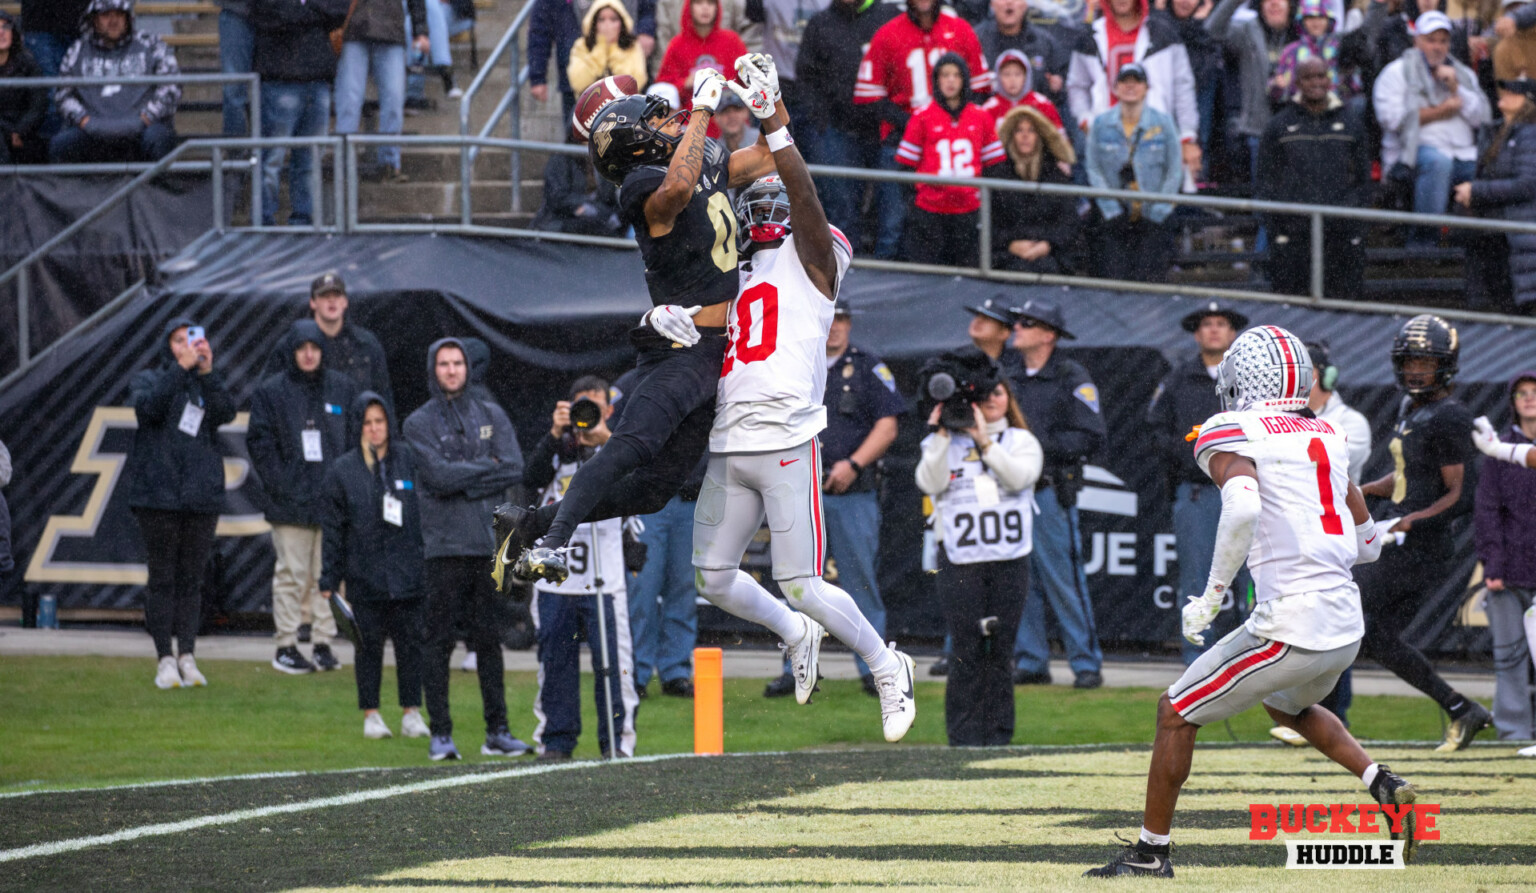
(565, 614)
(979, 465)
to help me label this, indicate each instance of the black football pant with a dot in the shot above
(458, 586)
(978, 696)
(179, 545)
(1391, 590)
(662, 431)
(401, 621)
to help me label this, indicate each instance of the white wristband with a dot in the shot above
(779, 139)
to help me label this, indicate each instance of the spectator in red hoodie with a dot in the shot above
(698, 45)
(950, 137)
(1011, 78)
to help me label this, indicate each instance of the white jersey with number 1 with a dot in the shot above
(1304, 543)
(774, 378)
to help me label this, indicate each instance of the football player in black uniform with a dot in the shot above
(1428, 492)
(672, 190)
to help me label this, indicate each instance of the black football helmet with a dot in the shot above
(623, 137)
(1429, 336)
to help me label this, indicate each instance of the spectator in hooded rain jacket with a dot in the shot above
(21, 111)
(1033, 232)
(298, 428)
(371, 527)
(175, 478)
(129, 122)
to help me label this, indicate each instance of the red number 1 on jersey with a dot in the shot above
(1332, 523)
(757, 327)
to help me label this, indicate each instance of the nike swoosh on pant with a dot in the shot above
(1371, 540)
(784, 462)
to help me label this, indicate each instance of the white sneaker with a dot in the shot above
(470, 664)
(805, 660)
(898, 706)
(375, 727)
(190, 676)
(413, 726)
(167, 676)
(1527, 751)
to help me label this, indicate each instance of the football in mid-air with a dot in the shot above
(592, 100)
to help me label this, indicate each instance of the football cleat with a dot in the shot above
(1137, 858)
(898, 701)
(510, 525)
(1389, 789)
(542, 563)
(805, 659)
(1461, 731)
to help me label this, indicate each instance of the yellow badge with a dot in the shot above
(847, 370)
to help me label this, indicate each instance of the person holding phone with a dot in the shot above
(175, 475)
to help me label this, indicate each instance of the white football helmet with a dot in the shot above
(1265, 369)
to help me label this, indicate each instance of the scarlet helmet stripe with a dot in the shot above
(1290, 361)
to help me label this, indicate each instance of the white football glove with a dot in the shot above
(1487, 442)
(760, 67)
(675, 323)
(1200, 612)
(708, 87)
(756, 98)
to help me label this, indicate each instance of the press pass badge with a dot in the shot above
(312, 451)
(191, 419)
(392, 511)
(986, 491)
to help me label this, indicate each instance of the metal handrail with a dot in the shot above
(510, 101)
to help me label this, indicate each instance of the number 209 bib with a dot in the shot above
(986, 522)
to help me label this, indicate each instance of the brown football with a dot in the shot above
(592, 100)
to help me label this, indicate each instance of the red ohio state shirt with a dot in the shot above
(899, 62)
(938, 143)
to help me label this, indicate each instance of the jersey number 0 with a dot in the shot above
(724, 219)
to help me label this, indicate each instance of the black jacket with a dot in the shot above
(1186, 397)
(1506, 189)
(466, 456)
(57, 17)
(6, 563)
(166, 468)
(375, 558)
(383, 21)
(21, 111)
(293, 39)
(1314, 159)
(283, 407)
(1061, 406)
(355, 352)
(828, 65)
(1034, 216)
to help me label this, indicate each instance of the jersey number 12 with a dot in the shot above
(1332, 523)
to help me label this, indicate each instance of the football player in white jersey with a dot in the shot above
(764, 457)
(1285, 493)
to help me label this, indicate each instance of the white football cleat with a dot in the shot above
(413, 726)
(805, 660)
(898, 705)
(375, 727)
(190, 676)
(166, 675)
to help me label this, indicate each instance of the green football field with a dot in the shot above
(822, 806)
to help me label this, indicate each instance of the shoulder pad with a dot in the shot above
(1224, 432)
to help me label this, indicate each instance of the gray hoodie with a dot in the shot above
(466, 457)
(117, 109)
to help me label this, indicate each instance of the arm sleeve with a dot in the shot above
(541, 36)
(933, 467)
(418, 13)
(507, 470)
(1240, 507)
(870, 86)
(1080, 84)
(1474, 105)
(1488, 520)
(1368, 541)
(540, 467)
(440, 477)
(586, 66)
(333, 532)
(1220, 20)
(162, 103)
(1267, 177)
(261, 444)
(155, 391)
(217, 400)
(1186, 108)
(913, 144)
(1388, 99)
(1017, 468)
(1084, 433)
(890, 401)
(7, 564)
(981, 72)
(68, 98)
(645, 18)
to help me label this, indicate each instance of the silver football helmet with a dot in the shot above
(1266, 369)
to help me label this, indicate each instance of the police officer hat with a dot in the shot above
(842, 307)
(1215, 308)
(1046, 314)
(995, 309)
(326, 283)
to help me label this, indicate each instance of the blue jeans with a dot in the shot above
(1437, 173)
(1056, 576)
(841, 197)
(663, 613)
(564, 622)
(237, 44)
(1196, 512)
(74, 146)
(440, 54)
(291, 108)
(387, 63)
(853, 543)
(891, 204)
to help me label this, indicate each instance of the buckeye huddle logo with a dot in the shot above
(1336, 820)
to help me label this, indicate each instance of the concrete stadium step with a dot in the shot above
(440, 200)
(442, 165)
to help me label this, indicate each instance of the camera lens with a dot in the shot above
(942, 386)
(585, 414)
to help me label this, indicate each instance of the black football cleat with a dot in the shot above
(510, 523)
(542, 563)
(1390, 789)
(1460, 732)
(1137, 858)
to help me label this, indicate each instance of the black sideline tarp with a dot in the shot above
(552, 312)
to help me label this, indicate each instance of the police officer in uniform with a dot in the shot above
(1186, 397)
(1061, 405)
(862, 406)
(991, 332)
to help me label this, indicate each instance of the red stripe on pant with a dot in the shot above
(817, 522)
(1227, 675)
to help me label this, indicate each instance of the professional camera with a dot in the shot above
(957, 379)
(585, 413)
